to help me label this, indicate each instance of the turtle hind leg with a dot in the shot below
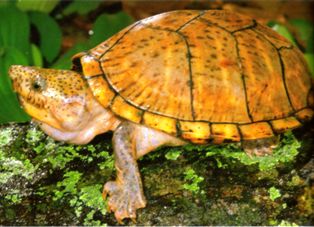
(260, 147)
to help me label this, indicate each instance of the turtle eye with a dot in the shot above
(39, 84)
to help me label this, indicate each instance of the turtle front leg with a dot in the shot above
(126, 192)
(131, 141)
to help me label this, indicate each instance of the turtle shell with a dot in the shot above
(201, 75)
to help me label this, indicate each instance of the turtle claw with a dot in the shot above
(123, 200)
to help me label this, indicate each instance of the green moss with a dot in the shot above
(11, 167)
(5, 137)
(287, 223)
(285, 152)
(192, 181)
(34, 136)
(54, 172)
(274, 193)
(173, 154)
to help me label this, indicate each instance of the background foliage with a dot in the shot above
(30, 35)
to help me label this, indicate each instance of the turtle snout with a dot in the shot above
(21, 77)
(15, 71)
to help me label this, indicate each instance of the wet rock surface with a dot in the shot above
(48, 183)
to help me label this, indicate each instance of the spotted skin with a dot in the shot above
(215, 67)
(178, 77)
(62, 103)
(40, 89)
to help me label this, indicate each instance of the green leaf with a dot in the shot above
(14, 29)
(282, 30)
(81, 7)
(309, 57)
(10, 108)
(65, 62)
(305, 30)
(37, 57)
(50, 35)
(35, 5)
(14, 49)
(107, 25)
(4, 3)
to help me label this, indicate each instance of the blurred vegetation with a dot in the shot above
(31, 35)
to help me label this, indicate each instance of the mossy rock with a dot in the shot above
(44, 182)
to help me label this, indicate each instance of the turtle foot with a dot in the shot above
(260, 147)
(124, 200)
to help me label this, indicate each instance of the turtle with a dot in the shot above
(185, 76)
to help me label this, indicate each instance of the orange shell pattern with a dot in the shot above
(202, 75)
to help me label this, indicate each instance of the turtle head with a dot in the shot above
(60, 101)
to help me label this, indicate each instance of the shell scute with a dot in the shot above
(222, 132)
(150, 70)
(190, 130)
(277, 40)
(172, 20)
(257, 130)
(159, 122)
(215, 76)
(126, 110)
(282, 125)
(228, 20)
(297, 77)
(101, 91)
(305, 114)
(266, 94)
(91, 66)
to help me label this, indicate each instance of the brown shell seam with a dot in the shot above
(254, 23)
(281, 65)
(117, 41)
(189, 56)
